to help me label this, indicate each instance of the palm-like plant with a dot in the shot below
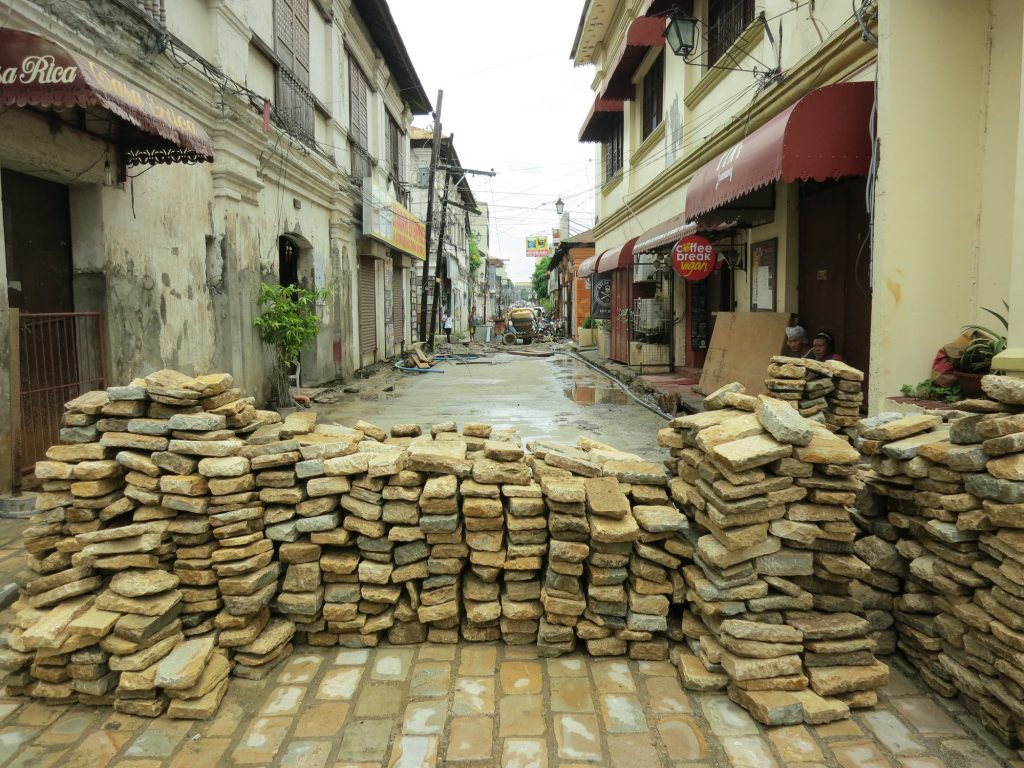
(985, 344)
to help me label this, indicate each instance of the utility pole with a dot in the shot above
(435, 144)
(440, 251)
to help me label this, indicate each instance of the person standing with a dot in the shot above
(472, 322)
(448, 323)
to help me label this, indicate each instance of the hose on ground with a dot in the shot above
(629, 393)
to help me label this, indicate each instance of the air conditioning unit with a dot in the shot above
(645, 271)
(650, 315)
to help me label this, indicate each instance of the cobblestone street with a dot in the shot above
(482, 705)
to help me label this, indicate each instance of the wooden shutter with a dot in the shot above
(291, 36)
(358, 120)
(398, 307)
(367, 306)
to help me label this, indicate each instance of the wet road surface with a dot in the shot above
(556, 398)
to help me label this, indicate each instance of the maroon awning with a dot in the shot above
(825, 135)
(616, 258)
(37, 72)
(588, 266)
(601, 119)
(643, 34)
(666, 233)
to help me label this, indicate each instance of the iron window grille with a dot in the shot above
(726, 21)
(653, 96)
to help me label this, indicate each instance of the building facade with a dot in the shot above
(807, 144)
(160, 161)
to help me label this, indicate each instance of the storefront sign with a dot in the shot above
(385, 220)
(537, 247)
(601, 296)
(36, 71)
(693, 258)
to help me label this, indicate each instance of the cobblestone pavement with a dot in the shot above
(482, 705)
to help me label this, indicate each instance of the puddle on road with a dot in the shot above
(583, 394)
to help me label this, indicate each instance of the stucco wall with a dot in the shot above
(931, 117)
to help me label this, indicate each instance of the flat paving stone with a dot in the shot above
(578, 737)
(571, 694)
(430, 679)
(473, 696)
(521, 677)
(524, 753)
(622, 713)
(365, 740)
(340, 683)
(414, 752)
(521, 716)
(392, 665)
(684, 737)
(470, 739)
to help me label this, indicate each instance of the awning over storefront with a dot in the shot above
(643, 34)
(601, 119)
(825, 135)
(666, 233)
(588, 266)
(37, 72)
(616, 258)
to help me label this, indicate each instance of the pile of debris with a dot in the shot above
(831, 388)
(772, 612)
(945, 516)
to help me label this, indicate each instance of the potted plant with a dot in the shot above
(585, 333)
(603, 332)
(287, 323)
(976, 360)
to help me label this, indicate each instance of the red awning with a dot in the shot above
(601, 119)
(588, 267)
(825, 135)
(666, 233)
(643, 34)
(616, 258)
(37, 72)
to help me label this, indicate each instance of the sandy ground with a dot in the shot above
(556, 398)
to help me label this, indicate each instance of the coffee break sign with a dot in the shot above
(693, 258)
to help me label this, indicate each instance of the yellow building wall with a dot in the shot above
(934, 88)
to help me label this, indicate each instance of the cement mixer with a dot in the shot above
(521, 325)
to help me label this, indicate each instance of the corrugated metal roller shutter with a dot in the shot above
(398, 307)
(367, 306)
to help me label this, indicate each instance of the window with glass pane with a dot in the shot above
(613, 149)
(726, 21)
(653, 95)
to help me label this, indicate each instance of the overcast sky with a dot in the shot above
(515, 103)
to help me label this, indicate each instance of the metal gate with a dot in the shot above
(367, 306)
(398, 308)
(61, 356)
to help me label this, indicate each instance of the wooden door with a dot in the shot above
(835, 255)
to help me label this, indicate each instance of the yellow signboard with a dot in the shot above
(386, 220)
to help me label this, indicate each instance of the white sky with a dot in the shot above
(515, 104)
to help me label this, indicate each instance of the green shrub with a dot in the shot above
(287, 322)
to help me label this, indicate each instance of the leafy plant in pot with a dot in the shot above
(976, 360)
(287, 323)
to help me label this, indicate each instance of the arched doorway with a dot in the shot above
(288, 250)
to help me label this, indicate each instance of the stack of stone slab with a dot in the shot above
(830, 388)
(135, 528)
(953, 498)
(770, 615)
